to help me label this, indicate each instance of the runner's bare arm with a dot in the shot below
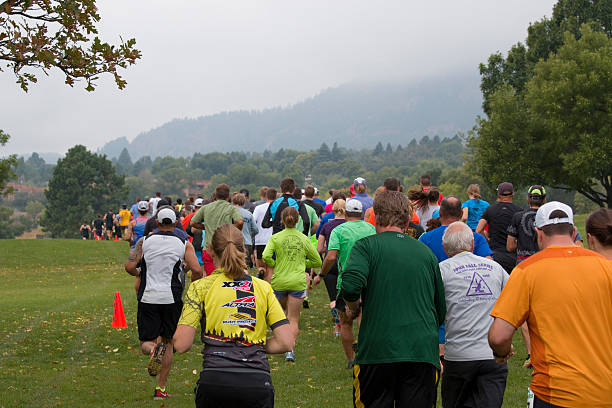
(329, 260)
(500, 339)
(464, 214)
(282, 341)
(192, 262)
(239, 224)
(511, 244)
(131, 266)
(183, 338)
(481, 226)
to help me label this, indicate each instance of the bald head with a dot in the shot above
(450, 210)
(457, 238)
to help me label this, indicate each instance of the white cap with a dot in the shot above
(143, 206)
(166, 216)
(359, 180)
(353, 206)
(543, 215)
(198, 202)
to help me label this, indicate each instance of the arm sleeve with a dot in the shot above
(513, 302)
(334, 240)
(313, 259)
(355, 275)
(275, 316)
(268, 252)
(439, 296)
(481, 247)
(267, 220)
(193, 306)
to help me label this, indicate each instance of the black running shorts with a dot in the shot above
(406, 384)
(158, 320)
(259, 249)
(229, 389)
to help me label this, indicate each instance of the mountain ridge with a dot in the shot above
(356, 115)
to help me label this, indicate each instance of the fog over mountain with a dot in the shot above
(356, 115)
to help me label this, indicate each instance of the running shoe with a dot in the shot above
(306, 305)
(350, 364)
(337, 330)
(355, 346)
(160, 394)
(261, 274)
(290, 356)
(335, 315)
(155, 361)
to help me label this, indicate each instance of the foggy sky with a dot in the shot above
(204, 57)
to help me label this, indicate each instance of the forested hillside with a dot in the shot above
(355, 115)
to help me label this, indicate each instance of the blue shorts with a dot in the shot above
(281, 294)
(442, 334)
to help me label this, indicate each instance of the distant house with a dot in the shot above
(196, 189)
(21, 188)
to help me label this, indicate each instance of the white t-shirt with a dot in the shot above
(425, 214)
(472, 285)
(162, 273)
(153, 204)
(264, 234)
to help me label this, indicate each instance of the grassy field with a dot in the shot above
(58, 347)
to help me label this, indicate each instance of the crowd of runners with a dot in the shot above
(435, 287)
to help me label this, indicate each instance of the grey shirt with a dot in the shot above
(472, 285)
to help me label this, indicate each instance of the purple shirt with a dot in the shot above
(327, 229)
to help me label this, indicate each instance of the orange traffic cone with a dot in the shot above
(118, 315)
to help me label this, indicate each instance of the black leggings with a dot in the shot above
(228, 389)
(331, 280)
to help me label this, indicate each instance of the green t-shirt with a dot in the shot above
(294, 253)
(214, 215)
(402, 293)
(343, 237)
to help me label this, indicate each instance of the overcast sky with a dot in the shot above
(203, 57)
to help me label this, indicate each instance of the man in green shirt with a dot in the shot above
(341, 241)
(218, 213)
(402, 301)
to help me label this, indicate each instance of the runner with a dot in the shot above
(522, 237)
(425, 183)
(134, 208)
(235, 310)
(108, 224)
(499, 216)
(289, 252)
(599, 232)
(124, 221)
(98, 227)
(339, 195)
(85, 230)
(249, 230)
(248, 205)
(262, 197)
(159, 297)
(331, 277)
(154, 202)
(341, 241)
(137, 225)
(472, 284)
(425, 203)
(564, 293)
(195, 235)
(399, 283)
(272, 217)
(309, 193)
(264, 234)
(474, 207)
(359, 184)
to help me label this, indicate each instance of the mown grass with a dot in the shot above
(58, 347)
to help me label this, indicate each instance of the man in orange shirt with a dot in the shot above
(564, 293)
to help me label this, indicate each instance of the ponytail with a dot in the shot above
(228, 246)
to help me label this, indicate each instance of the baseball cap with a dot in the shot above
(543, 215)
(166, 216)
(359, 180)
(536, 190)
(143, 206)
(354, 206)
(198, 202)
(505, 189)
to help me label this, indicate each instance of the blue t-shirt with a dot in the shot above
(433, 239)
(475, 210)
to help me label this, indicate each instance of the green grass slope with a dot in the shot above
(58, 347)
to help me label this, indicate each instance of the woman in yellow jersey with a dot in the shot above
(290, 252)
(234, 311)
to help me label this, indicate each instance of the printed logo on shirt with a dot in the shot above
(478, 286)
(240, 319)
(239, 285)
(248, 301)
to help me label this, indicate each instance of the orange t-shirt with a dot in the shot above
(371, 220)
(565, 295)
